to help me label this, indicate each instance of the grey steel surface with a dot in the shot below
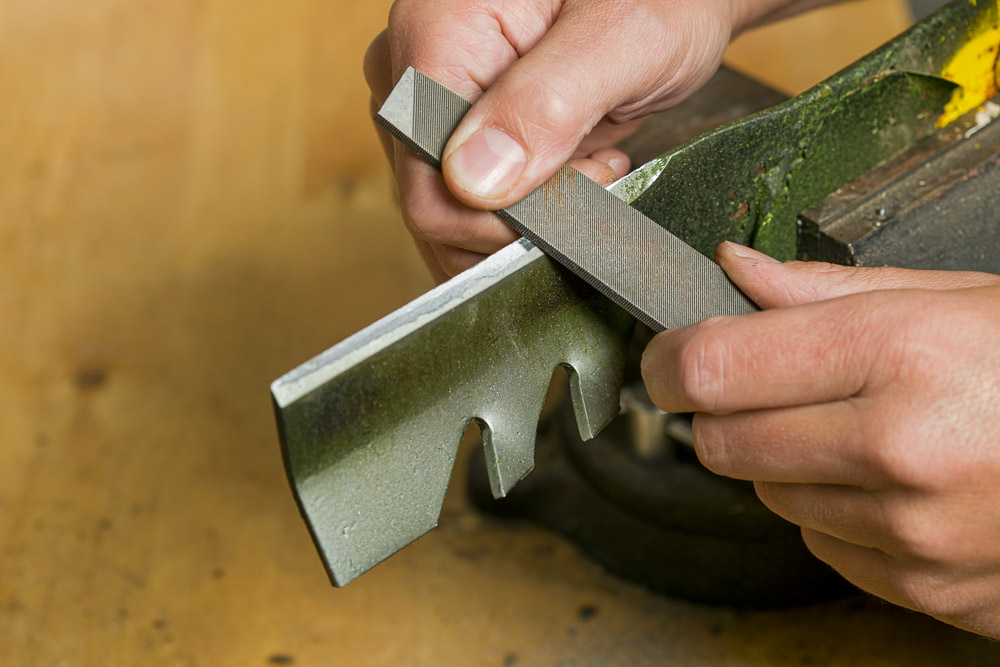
(370, 428)
(934, 206)
(656, 277)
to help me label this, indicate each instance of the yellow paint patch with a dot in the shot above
(974, 69)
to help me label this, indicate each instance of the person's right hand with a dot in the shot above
(550, 80)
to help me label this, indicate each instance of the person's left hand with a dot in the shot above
(865, 406)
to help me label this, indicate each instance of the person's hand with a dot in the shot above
(551, 80)
(865, 405)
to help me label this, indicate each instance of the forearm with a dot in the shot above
(751, 13)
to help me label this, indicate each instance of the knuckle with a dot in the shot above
(427, 217)
(401, 14)
(430, 219)
(911, 588)
(710, 444)
(629, 111)
(548, 117)
(871, 278)
(702, 364)
(773, 495)
(923, 589)
(889, 462)
(978, 279)
(421, 217)
(650, 367)
(896, 457)
(430, 229)
(915, 535)
(596, 170)
(634, 13)
(828, 279)
(374, 59)
(880, 454)
(452, 260)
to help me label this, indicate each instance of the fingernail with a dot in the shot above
(488, 163)
(750, 253)
(620, 165)
(609, 179)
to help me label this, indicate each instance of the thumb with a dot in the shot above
(771, 284)
(532, 118)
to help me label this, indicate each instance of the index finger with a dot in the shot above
(814, 353)
(462, 45)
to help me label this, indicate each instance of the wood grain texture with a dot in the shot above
(192, 202)
(799, 52)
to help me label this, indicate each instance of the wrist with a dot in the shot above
(745, 14)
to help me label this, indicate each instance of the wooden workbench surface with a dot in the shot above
(191, 203)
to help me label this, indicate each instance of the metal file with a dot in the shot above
(660, 280)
